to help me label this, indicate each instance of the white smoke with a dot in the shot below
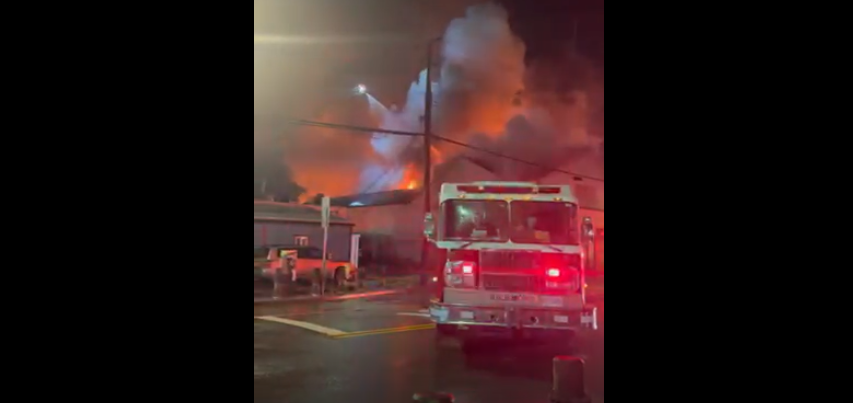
(485, 88)
(481, 74)
(484, 96)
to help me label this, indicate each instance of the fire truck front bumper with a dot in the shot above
(517, 317)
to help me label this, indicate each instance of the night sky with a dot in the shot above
(546, 26)
(390, 51)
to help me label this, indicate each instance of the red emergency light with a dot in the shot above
(507, 189)
(494, 189)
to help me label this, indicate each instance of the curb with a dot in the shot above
(272, 301)
(392, 282)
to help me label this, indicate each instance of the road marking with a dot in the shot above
(365, 295)
(289, 315)
(401, 329)
(327, 331)
(418, 314)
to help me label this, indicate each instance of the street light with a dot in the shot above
(361, 89)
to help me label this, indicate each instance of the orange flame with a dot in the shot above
(409, 180)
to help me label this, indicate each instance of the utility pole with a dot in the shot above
(428, 127)
(427, 156)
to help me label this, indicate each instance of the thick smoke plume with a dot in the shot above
(331, 161)
(485, 96)
(489, 99)
(482, 73)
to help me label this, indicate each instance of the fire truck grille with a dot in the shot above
(509, 260)
(515, 283)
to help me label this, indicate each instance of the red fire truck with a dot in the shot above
(509, 260)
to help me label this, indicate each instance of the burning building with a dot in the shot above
(484, 96)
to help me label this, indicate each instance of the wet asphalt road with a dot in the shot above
(366, 362)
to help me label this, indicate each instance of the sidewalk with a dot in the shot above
(263, 293)
(331, 297)
(391, 281)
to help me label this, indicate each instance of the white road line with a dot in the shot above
(418, 314)
(304, 325)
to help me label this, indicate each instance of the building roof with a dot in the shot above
(443, 173)
(403, 196)
(288, 212)
(450, 171)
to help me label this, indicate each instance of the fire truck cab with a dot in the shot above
(509, 261)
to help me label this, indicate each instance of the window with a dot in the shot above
(300, 240)
(479, 220)
(309, 253)
(544, 222)
(261, 253)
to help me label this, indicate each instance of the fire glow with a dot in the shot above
(499, 113)
(409, 180)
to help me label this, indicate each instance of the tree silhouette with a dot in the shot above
(274, 180)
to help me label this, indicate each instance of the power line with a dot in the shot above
(497, 154)
(302, 122)
(309, 123)
(379, 177)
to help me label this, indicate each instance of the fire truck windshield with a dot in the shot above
(544, 222)
(476, 220)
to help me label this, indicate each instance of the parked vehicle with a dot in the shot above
(308, 264)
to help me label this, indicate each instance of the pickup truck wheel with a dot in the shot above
(340, 278)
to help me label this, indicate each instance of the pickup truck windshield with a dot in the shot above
(309, 253)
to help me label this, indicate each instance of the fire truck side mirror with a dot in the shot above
(587, 229)
(429, 226)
